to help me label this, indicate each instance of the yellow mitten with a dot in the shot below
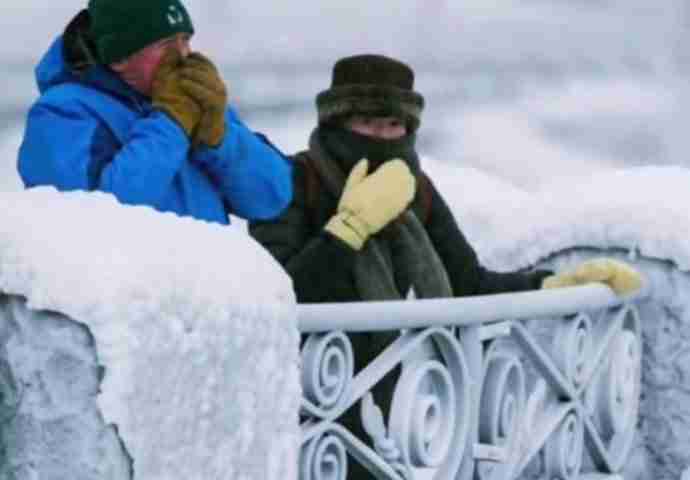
(370, 202)
(620, 276)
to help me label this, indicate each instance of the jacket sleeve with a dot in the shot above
(253, 176)
(319, 264)
(68, 147)
(467, 275)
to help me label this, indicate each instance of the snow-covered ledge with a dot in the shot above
(175, 349)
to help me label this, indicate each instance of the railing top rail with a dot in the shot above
(464, 311)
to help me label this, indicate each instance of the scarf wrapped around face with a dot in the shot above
(400, 257)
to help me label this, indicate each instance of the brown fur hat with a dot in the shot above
(371, 85)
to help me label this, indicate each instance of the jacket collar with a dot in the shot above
(54, 70)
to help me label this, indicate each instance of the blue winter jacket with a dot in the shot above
(94, 132)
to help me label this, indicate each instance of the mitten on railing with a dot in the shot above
(621, 277)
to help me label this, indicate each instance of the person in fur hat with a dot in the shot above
(366, 223)
(127, 107)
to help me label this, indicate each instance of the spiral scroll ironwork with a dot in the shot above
(614, 394)
(503, 396)
(424, 413)
(430, 413)
(327, 368)
(324, 458)
(563, 452)
(503, 399)
(572, 344)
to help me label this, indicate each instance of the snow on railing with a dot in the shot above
(544, 384)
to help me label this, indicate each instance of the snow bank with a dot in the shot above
(640, 215)
(194, 323)
(644, 210)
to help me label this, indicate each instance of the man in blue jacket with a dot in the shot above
(127, 108)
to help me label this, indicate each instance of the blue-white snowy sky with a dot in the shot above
(523, 89)
(261, 30)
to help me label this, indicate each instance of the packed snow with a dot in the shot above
(194, 323)
(642, 210)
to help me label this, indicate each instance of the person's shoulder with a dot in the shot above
(232, 115)
(300, 157)
(301, 163)
(71, 94)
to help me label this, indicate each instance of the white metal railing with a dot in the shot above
(545, 383)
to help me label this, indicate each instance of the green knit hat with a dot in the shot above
(123, 27)
(371, 85)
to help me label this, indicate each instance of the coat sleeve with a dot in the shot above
(68, 147)
(319, 264)
(467, 275)
(253, 176)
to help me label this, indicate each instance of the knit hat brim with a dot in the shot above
(120, 28)
(339, 102)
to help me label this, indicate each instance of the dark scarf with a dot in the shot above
(347, 148)
(402, 254)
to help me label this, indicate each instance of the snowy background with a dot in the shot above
(524, 89)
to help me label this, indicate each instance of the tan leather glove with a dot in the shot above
(370, 202)
(620, 276)
(168, 95)
(201, 80)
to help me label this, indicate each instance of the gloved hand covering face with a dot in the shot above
(621, 277)
(370, 202)
(168, 95)
(201, 80)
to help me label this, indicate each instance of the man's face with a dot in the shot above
(140, 68)
(384, 128)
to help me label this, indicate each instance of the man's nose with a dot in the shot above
(182, 46)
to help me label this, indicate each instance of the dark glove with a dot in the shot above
(201, 80)
(168, 95)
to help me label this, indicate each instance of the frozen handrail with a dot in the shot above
(527, 380)
(466, 311)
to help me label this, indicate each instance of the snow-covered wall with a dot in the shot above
(176, 340)
(637, 215)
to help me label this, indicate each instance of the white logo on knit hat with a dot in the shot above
(175, 16)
